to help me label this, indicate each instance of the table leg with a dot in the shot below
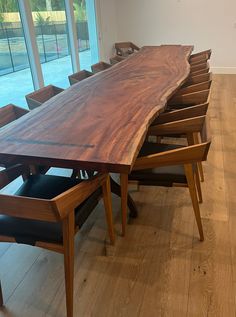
(124, 197)
(115, 189)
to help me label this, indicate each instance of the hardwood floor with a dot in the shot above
(160, 268)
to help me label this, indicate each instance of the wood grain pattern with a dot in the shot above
(101, 123)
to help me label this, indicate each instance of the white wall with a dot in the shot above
(107, 26)
(204, 23)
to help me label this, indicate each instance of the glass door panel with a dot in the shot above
(15, 74)
(50, 23)
(85, 18)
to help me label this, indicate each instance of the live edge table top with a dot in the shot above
(101, 122)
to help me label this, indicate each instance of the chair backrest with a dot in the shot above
(194, 98)
(182, 126)
(125, 48)
(10, 113)
(38, 97)
(194, 88)
(202, 53)
(96, 68)
(116, 59)
(29, 208)
(181, 114)
(79, 76)
(24, 207)
(184, 155)
(52, 210)
(197, 67)
(200, 72)
(198, 79)
(198, 59)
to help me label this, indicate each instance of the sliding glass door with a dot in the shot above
(15, 74)
(44, 50)
(85, 18)
(51, 30)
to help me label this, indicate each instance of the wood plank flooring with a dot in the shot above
(160, 268)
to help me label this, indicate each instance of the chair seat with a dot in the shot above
(45, 187)
(149, 148)
(161, 176)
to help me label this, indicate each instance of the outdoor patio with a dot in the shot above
(18, 84)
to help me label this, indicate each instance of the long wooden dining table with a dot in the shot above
(100, 123)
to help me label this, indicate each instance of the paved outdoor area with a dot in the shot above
(14, 86)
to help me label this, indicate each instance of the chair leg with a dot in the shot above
(68, 243)
(1, 297)
(76, 173)
(198, 185)
(192, 190)
(106, 189)
(200, 169)
(124, 195)
(199, 164)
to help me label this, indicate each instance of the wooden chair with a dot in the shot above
(200, 56)
(203, 59)
(38, 97)
(10, 113)
(181, 114)
(182, 101)
(47, 211)
(194, 88)
(125, 48)
(201, 66)
(167, 119)
(196, 79)
(79, 76)
(191, 99)
(200, 72)
(99, 67)
(116, 59)
(171, 164)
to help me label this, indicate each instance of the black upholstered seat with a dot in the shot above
(160, 176)
(149, 148)
(45, 187)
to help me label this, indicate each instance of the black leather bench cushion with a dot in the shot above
(45, 187)
(161, 176)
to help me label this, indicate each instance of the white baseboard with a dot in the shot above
(223, 70)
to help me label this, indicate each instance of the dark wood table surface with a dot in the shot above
(101, 122)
